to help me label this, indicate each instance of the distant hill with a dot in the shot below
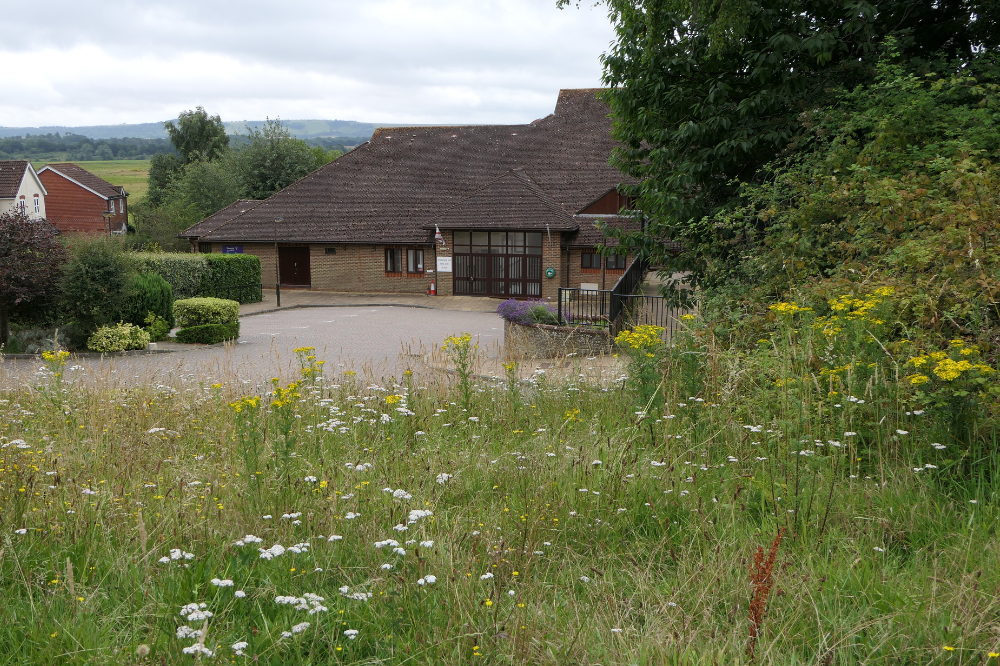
(302, 129)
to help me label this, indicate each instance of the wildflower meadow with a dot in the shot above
(824, 498)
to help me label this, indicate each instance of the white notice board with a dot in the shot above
(444, 264)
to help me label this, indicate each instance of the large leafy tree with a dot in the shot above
(272, 160)
(705, 93)
(197, 135)
(30, 260)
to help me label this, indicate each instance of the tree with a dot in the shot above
(93, 287)
(705, 94)
(163, 168)
(198, 135)
(30, 259)
(272, 160)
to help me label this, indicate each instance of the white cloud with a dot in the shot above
(406, 61)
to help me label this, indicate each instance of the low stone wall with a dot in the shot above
(530, 341)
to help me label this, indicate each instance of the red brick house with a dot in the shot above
(516, 206)
(77, 201)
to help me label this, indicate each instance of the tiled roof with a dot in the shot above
(216, 220)
(512, 201)
(390, 188)
(589, 235)
(11, 174)
(87, 179)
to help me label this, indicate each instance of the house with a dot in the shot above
(80, 202)
(216, 220)
(21, 188)
(494, 211)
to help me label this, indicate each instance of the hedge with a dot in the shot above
(209, 334)
(234, 276)
(184, 272)
(148, 292)
(207, 310)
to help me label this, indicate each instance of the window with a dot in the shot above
(616, 262)
(38, 204)
(111, 205)
(121, 206)
(393, 261)
(205, 248)
(591, 260)
(414, 261)
(331, 250)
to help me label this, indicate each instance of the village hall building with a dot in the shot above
(516, 207)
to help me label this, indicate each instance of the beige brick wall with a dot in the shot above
(354, 268)
(604, 278)
(361, 268)
(445, 281)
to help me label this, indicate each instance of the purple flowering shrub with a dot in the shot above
(528, 312)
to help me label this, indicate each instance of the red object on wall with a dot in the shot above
(77, 200)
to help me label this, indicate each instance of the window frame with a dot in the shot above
(594, 261)
(617, 258)
(394, 265)
(422, 268)
(37, 201)
(121, 206)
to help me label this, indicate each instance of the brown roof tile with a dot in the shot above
(85, 178)
(11, 174)
(512, 201)
(216, 220)
(390, 188)
(589, 235)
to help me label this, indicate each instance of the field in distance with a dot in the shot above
(133, 175)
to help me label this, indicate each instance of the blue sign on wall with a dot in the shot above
(232, 249)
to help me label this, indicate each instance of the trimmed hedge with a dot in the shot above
(199, 311)
(184, 272)
(233, 276)
(148, 292)
(209, 334)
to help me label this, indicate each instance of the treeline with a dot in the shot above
(209, 169)
(78, 148)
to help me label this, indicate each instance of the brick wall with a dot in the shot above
(71, 208)
(576, 274)
(445, 281)
(353, 268)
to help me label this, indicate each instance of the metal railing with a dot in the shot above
(619, 308)
(593, 309)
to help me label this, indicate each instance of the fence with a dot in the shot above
(618, 308)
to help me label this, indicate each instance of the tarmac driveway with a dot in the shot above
(372, 341)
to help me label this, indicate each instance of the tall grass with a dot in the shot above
(566, 528)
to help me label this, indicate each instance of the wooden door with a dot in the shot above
(293, 264)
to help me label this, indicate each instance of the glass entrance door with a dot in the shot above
(502, 264)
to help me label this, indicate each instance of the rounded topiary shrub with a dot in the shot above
(209, 334)
(120, 337)
(200, 311)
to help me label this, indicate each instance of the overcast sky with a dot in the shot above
(74, 62)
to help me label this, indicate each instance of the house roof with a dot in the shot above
(589, 235)
(512, 201)
(389, 189)
(11, 175)
(216, 220)
(84, 178)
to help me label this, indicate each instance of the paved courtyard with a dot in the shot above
(372, 341)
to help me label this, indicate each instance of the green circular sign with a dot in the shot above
(550, 272)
